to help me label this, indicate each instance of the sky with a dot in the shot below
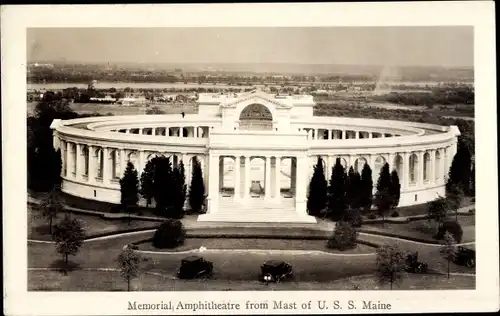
(390, 46)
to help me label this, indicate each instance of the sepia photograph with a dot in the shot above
(251, 158)
(153, 164)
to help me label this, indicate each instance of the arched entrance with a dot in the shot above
(256, 116)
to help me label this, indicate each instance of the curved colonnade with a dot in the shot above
(95, 151)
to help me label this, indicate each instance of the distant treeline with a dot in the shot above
(437, 95)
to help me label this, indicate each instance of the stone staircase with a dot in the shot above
(256, 210)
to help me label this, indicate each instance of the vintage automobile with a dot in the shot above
(194, 267)
(415, 266)
(465, 257)
(275, 271)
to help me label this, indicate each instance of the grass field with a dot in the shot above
(260, 244)
(425, 229)
(38, 226)
(112, 281)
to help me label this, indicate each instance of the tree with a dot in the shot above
(51, 206)
(366, 188)
(197, 187)
(44, 162)
(391, 262)
(68, 235)
(473, 180)
(344, 236)
(438, 210)
(163, 188)
(147, 182)
(395, 189)
(449, 249)
(179, 191)
(383, 198)
(460, 170)
(129, 189)
(317, 199)
(170, 234)
(353, 188)
(128, 263)
(337, 203)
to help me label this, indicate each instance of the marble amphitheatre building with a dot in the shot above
(257, 152)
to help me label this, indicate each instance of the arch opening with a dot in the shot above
(256, 116)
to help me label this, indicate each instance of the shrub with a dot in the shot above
(453, 228)
(395, 214)
(344, 236)
(170, 234)
(372, 216)
(354, 217)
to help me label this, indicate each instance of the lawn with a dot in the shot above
(425, 229)
(112, 281)
(228, 266)
(254, 243)
(38, 226)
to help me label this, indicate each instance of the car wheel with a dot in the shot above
(469, 263)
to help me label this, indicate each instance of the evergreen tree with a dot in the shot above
(197, 188)
(337, 203)
(179, 191)
(147, 184)
(459, 174)
(129, 189)
(353, 186)
(317, 199)
(395, 189)
(383, 198)
(162, 184)
(473, 180)
(366, 188)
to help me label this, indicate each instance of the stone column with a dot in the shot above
(277, 182)
(391, 162)
(213, 189)
(195, 132)
(237, 166)
(356, 135)
(432, 178)
(420, 180)
(221, 173)
(140, 131)
(91, 175)
(69, 159)
(123, 164)
(141, 162)
(330, 134)
(127, 131)
(444, 166)
(406, 172)
(329, 166)
(181, 131)
(316, 134)
(370, 135)
(293, 175)
(300, 197)
(153, 131)
(167, 131)
(267, 175)
(105, 166)
(78, 162)
(342, 134)
(246, 187)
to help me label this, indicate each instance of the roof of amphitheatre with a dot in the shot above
(231, 100)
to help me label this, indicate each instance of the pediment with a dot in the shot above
(257, 97)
